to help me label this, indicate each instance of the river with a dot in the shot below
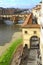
(7, 30)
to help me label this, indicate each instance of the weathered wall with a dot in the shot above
(30, 33)
(17, 56)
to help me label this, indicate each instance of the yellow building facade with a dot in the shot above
(31, 33)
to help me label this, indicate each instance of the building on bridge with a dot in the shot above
(31, 32)
(37, 11)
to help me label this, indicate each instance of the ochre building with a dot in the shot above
(31, 32)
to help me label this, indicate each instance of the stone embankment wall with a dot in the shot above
(17, 56)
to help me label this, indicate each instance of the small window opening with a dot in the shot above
(26, 32)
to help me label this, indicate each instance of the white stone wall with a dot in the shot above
(41, 32)
(37, 14)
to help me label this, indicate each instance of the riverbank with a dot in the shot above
(8, 34)
(7, 56)
(16, 59)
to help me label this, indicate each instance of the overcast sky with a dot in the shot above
(19, 3)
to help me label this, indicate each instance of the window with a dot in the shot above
(25, 32)
(42, 27)
(34, 32)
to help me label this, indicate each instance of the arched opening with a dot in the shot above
(26, 46)
(34, 42)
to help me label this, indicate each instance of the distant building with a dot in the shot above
(31, 32)
(37, 11)
(9, 11)
(1, 10)
(25, 12)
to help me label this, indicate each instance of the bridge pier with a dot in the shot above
(14, 21)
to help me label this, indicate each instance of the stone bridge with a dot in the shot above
(13, 18)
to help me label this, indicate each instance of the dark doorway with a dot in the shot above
(26, 46)
(34, 42)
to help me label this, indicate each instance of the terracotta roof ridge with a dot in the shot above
(27, 20)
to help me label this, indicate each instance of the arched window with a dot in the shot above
(34, 42)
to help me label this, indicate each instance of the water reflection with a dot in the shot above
(20, 21)
(7, 31)
(8, 22)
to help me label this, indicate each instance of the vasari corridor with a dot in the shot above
(21, 32)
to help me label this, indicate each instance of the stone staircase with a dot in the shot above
(29, 57)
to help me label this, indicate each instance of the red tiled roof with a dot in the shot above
(28, 23)
(27, 20)
(32, 26)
